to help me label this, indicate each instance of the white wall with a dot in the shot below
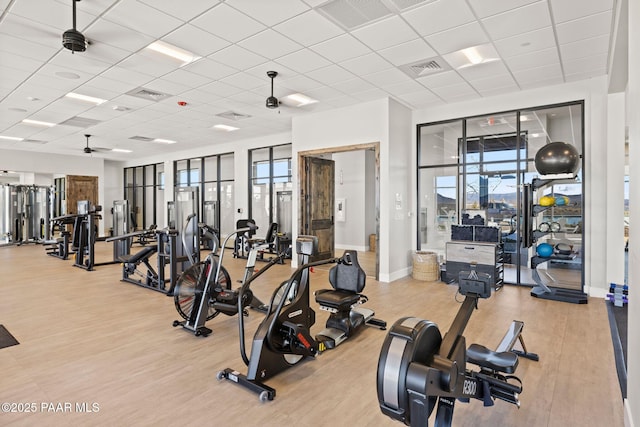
(350, 185)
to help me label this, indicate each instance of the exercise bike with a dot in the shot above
(284, 339)
(204, 290)
(418, 368)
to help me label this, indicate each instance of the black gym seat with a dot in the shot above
(504, 361)
(138, 256)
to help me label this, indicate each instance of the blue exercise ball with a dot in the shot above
(544, 250)
(557, 158)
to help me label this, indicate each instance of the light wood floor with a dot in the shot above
(87, 337)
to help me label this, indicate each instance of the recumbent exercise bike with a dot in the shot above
(418, 368)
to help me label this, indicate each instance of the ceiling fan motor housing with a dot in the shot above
(272, 102)
(74, 40)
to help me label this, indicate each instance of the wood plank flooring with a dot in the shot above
(85, 337)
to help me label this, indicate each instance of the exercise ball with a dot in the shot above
(561, 200)
(557, 158)
(544, 250)
(547, 201)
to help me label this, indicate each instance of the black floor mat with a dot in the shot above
(618, 322)
(6, 339)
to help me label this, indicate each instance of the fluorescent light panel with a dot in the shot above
(300, 100)
(120, 150)
(225, 128)
(37, 123)
(85, 98)
(175, 52)
(11, 138)
(471, 56)
(164, 141)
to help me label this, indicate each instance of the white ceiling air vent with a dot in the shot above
(351, 14)
(232, 115)
(141, 138)
(80, 122)
(148, 94)
(425, 67)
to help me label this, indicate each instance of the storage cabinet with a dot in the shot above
(487, 255)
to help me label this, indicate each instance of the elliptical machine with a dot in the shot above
(418, 368)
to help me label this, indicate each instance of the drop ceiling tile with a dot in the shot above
(524, 19)
(309, 28)
(238, 57)
(533, 59)
(18, 65)
(526, 43)
(341, 48)
(270, 44)
(220, 89)
(551, 81)
(483, 71)
(454, 91)
(575, 66)
(408, 52)
(166, 86)
(260, 71)
(117, 35)
(498, 90)
(155, 23)
(31, 31)
(404, 87)
(439, 16)
(458, 38)
(251, 98)
(324, 92)
(26, 48)
(299, 83)
(269, 12)
(209, 68)
(386, 77)
(83, 64)
(330, 75)
(495, 81)
(353, 86)
(196, 40)
(228, 23)
(53, 14)
(568, 10)
(446, 78)
(484, 8)
(144, 63)
(585, 47)
(182, 10)
(186, 78)
(246, 81)
(583, 28)
(303, 61)
(420, 99)
(585, 74)
(129, 77)
(371, 95)
(366, 64)
(542, 73)
(386, 33)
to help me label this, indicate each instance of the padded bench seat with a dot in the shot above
(140, 255)
(337, 299)
(480, 355)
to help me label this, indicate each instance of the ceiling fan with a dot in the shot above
(89, 150)
(73, 39)
(272, 101)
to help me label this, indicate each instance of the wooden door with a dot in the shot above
(79, 187)
(318, 204)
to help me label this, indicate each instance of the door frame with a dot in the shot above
(302, 180)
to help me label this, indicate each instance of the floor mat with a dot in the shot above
(6, 339)
(618, 322)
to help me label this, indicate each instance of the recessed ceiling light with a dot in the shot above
(471, 56)
(120, 150)
(225, 128)
(11, 138)
(38, 123)
(535, 135)
(175, 52)
(299, 99)
(164, 141)
(524, 118)
(67, 75)
(85, 98)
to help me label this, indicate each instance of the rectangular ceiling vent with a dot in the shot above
(425, 67)
(34, 141)
(232, 115)
(148, 94)
(141, 138)
(351, 14)
(81, 122)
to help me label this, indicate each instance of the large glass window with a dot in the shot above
(143, 189)
(271, 187)
(478, 166)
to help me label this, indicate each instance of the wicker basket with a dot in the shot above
(425, 266)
